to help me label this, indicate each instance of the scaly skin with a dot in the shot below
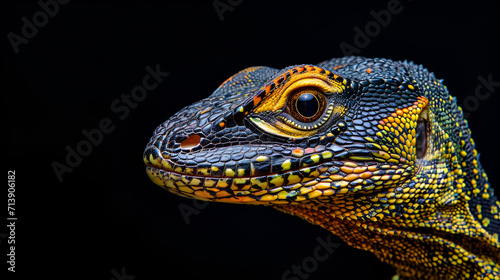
(388, 165)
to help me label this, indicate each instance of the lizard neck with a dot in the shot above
(446, 242)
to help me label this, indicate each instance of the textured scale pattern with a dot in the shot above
(389, 166)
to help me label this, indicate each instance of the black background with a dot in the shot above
(106, 214)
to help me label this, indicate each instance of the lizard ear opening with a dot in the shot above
(422, 132)
(421, 138)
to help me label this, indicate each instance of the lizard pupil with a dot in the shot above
(421, 139)
(307, 105)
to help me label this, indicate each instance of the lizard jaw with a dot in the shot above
(291, 187)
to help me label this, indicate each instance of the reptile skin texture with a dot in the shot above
(375, 151)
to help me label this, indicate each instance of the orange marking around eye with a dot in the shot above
(274, 96)
(268, 89)
(310, 68)
(257, 99)
(276, 81)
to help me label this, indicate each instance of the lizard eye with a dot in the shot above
(307, 105)
(299, 102)
(421, 138)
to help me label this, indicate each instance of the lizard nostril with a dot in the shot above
(191, 142)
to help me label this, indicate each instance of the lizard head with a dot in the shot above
(366, 139)
(331, 133)
(366, 148)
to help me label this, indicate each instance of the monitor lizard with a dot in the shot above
(373, 150)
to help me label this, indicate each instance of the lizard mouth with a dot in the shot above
(287, 187)
(274, 189)
(321, 179)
